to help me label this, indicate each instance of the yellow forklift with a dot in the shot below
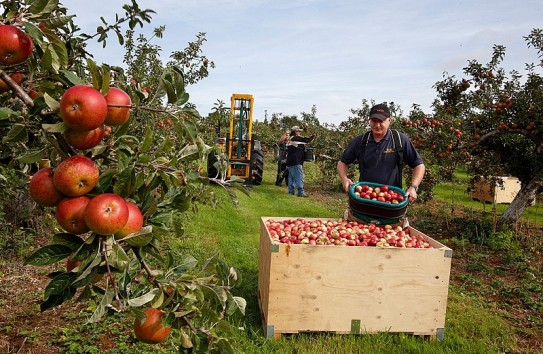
(245, 158)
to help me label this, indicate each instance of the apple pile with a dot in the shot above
(382, 194)
(67, 188)
(343, 233)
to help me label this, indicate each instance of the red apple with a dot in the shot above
(42, 189)
(84, 140)
(70, 264)
(70, 214)
(106, 214)
(117, 115)
(151, 330)
(16, 76)
(75, 176)
(134, 223)
(83, 108)
(15, 45)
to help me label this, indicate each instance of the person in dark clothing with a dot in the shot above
(295, 161)
(381, 161)
(282, 170)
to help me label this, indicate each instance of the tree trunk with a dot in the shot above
(524, 198)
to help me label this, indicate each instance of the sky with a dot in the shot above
(293, 55)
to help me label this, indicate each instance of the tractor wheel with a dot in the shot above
(212, 171)
(257, 163)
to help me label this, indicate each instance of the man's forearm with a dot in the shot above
(418, 175)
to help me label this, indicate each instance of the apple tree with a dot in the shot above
(116, 185)
(489, 121)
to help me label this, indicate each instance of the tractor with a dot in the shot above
(245, 158)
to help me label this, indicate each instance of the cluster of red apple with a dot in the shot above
(84, 110)
(382, 194)
(343, 233)
(67, 188)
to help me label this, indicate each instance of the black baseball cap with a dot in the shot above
(380, 111)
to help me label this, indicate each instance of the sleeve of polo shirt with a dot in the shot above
(350, 154)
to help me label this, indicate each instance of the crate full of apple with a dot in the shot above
(343, 233)
(377, 203)
(348, 277)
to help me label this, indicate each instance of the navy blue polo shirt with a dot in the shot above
(379, 163)
(295, 153)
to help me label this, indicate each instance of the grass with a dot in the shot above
(471, 325)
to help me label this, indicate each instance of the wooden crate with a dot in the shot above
(493, 192)
(311, 288)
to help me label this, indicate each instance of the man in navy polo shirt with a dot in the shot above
(380, 161)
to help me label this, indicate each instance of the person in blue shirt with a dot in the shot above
(295, 161)
(382, 162)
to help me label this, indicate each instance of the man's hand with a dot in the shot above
(411, 192)
(346, 183)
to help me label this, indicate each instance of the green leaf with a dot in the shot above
(221, 294)
(95, 74)
(186, 342)
(69, 240)
(17, 133)
(125, 182)
(57, 21)
(59, 284)
(118, 258)
(141, 238)
(33, 156)
(189, 151)
(90, 270)
(181, 202)
(48, 255)
(191, 129)
(57, 299)
(184, 98)
(105, 180)
(144, 299)
(33, 31)
(185, 264)
(72, 77)
(172, 97)
(162, 218)
(42, 6)
(59, 127)
(102, 306)
(6, 113)
(148, 140)
(47, 58)
(158, 300)
(236, 303)
(167, 145)
(224, 346)
(105, 79)
(57, 50)
(86, 294)
(120, 38)
(53, 104)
